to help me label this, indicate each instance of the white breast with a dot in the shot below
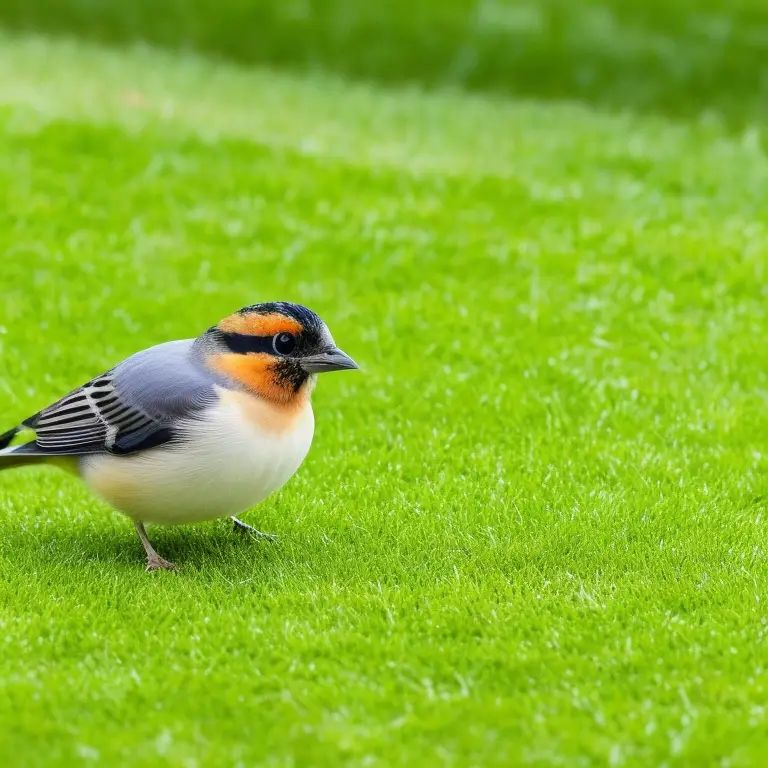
(225, 464)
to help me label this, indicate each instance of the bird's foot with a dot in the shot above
(244, 528)
(158, 563)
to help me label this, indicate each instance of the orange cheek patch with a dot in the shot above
(250, 370)
(253, 324)
(255, 372)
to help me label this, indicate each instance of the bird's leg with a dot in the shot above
(242, 527)
(154, 561)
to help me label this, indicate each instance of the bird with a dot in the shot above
(191, 430)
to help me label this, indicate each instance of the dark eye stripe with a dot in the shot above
(242, 343)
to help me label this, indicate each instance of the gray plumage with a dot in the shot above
(131, 407)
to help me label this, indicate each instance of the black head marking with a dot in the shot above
(288, 373)
(311, 338)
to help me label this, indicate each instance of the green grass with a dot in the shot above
(531, 531)
(674, 57)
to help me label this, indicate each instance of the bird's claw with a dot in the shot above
(159, 564)
(244, 528)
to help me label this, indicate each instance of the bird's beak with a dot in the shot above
(331, 359)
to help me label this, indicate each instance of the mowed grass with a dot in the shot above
(532, 529)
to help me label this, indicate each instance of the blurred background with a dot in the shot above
(532, 529)
(675, 57)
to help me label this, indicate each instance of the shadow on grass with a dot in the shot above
(678, 58)
(199, 547)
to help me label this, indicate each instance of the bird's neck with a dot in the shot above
(259, 375)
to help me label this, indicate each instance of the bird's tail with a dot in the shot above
(9, 458)
(7, 437)
(9, 461)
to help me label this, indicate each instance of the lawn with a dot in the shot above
(531, 530)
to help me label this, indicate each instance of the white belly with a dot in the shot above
(225, 465)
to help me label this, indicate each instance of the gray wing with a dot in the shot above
(130, 408)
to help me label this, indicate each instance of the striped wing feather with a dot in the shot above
(94, 419)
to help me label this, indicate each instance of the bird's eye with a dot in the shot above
(284, 343)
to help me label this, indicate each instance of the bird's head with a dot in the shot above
(273, 350)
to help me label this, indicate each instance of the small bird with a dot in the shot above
(192, 430)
